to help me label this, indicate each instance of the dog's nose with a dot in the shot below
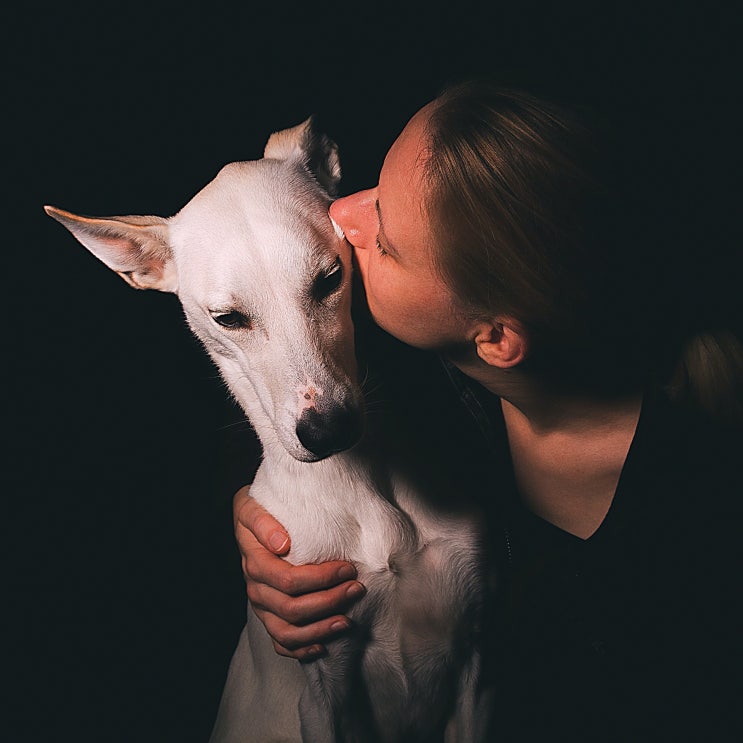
(327, 433)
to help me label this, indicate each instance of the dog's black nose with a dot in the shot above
(327, 433)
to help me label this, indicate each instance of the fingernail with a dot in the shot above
(339, 626)
(355, 590)
(278, 540)
(314, 652)
(347, 572)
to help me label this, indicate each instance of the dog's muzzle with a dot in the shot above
(327, 433)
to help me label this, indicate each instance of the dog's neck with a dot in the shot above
(324, 503)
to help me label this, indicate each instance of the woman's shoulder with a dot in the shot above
(691, 469)
(683, 478)
(688, 438)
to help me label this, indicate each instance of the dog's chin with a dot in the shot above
(302, 454)
(305, 455)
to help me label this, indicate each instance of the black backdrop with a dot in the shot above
(124, 590)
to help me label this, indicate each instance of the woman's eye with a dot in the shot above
(327, 284)
(232, 320)
(381, 250)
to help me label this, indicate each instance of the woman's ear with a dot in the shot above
(502, 342)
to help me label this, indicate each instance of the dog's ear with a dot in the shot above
(318, 153)
(135, 247)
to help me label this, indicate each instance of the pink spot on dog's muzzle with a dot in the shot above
(307, 395)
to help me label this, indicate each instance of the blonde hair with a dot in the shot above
(709, 376)
(531, 220)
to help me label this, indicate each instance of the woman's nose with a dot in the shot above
(356, 215)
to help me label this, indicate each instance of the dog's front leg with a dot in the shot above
(316, 714)
(334, 705)
(260, 701)
(469, 724)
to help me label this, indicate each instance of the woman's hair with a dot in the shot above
(534, 217)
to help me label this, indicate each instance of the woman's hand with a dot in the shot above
(300, 606)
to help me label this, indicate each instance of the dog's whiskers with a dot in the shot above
(242, 424)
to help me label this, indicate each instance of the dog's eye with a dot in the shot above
(328, 283)
(232, 320)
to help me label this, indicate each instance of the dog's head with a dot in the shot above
(264, 278)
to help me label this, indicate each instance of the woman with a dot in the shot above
(498, 239)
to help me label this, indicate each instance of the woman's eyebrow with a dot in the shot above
(387, 245)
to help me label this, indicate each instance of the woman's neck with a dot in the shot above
(568, 449)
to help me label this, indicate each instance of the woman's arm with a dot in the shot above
(300, 606)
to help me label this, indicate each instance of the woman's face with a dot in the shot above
(391, 237)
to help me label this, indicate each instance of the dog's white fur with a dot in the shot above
(258, 241)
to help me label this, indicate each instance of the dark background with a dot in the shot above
(124, 595)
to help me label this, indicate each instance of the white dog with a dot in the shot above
(264, 278)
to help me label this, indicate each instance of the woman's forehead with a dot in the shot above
(401, 194)
(412, 143)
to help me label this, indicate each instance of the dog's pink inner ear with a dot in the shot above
(133, 250)
(148, 276)
(135, 247)
(139, 257)
(138, 253)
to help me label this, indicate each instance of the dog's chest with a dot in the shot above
(336, 515)
(419, 568)
(419, 571)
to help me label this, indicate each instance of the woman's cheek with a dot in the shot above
(373, 283)
(384, 292)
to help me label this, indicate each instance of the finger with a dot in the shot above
(263, 567)
(309, 607)
(250, 515)
(303, 655)
(292, 639)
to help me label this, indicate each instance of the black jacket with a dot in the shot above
(631, 635)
